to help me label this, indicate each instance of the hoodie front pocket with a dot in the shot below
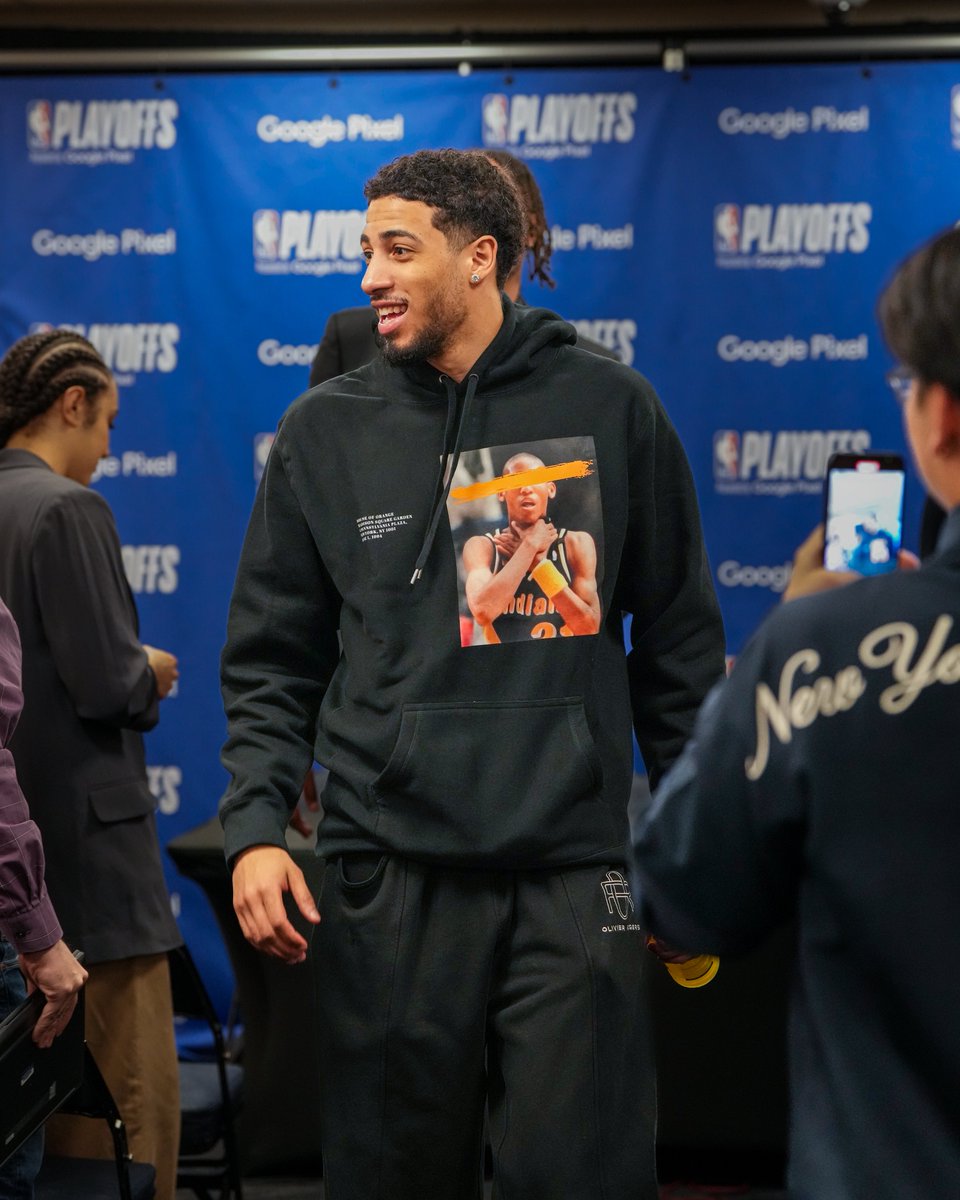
(510, 781)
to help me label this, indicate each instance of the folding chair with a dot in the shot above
(63, 1178)
(210, 1095)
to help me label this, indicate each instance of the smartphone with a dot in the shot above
(863, 512)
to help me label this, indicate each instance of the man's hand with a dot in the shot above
(261, 875)
(309, 800)
(164, 667)
(539, 537)
(809, 575)
(665, 952)
(57, 974)
(506, 541)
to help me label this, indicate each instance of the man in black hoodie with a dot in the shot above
(478, 943)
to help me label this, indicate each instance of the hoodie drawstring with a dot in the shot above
(449, 465)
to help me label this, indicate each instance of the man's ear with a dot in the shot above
(944, 420)
(73, 405)
(483, 256)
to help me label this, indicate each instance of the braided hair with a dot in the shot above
(539, 249)
(38, 369)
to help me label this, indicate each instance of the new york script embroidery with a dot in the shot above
(892, 645)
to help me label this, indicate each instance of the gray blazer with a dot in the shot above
(88, 692)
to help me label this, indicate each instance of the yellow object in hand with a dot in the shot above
(695, 972)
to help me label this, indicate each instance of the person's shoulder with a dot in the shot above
(851, 611)
(73, 501)
(578, 539)
(594, 347)
(587, 361)
(55, 491)
(342, 393)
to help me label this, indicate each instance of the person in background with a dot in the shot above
(349, 339)
(821, 785)
(90, 689)
(31, 940)
(477, 945)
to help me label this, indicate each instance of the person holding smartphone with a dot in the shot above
(821, 785)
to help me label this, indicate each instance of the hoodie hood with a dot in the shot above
(526, 342)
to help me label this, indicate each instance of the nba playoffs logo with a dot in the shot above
(955, 116)
(726, 454)
(616, 892)
(266, 233)
(496, 113)
(726, 228)
(39, 125)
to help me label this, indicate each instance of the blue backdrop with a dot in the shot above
(725, 231)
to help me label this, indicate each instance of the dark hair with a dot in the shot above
(39, 368)
(470, 197)
(539, 249)
(919, 312)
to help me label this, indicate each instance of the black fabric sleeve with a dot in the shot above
(717, 856)
(676, 634)
(89, 616)
(281, 651)
(328, 361)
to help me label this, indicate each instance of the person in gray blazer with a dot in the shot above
(90, 689)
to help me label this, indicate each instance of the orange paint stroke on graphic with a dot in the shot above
(577, 469)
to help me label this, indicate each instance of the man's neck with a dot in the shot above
(478, 330)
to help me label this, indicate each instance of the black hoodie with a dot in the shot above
(510, 755)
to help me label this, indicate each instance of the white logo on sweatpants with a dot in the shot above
(616, 892)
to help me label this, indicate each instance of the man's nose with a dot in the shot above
(376, 278)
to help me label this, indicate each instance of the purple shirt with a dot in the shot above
(27, 918)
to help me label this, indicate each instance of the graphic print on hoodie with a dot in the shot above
(527, 528)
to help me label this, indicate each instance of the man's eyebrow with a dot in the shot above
(387, 234)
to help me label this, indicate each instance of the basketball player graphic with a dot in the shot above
(530, 579)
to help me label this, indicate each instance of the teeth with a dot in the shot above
(385, 313)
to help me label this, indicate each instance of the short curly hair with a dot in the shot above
(39, 368)
(919, 312)
(469, 195)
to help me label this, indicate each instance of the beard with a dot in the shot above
(445, 314)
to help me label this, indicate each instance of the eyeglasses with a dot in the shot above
(901, 380)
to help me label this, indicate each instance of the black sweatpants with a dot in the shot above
(440, 991)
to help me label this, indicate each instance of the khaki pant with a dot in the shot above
(129, 1026)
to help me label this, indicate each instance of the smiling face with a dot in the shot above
(416, 280)
(526, 505)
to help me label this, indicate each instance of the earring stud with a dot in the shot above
(474, 278)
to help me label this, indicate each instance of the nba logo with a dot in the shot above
(496, 111)
(39, 125)
(726, 228)
(726, 454)
(955, 115)
(266, 233)
(261, 452)
(40, 327)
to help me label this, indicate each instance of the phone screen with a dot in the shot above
(864, 513)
